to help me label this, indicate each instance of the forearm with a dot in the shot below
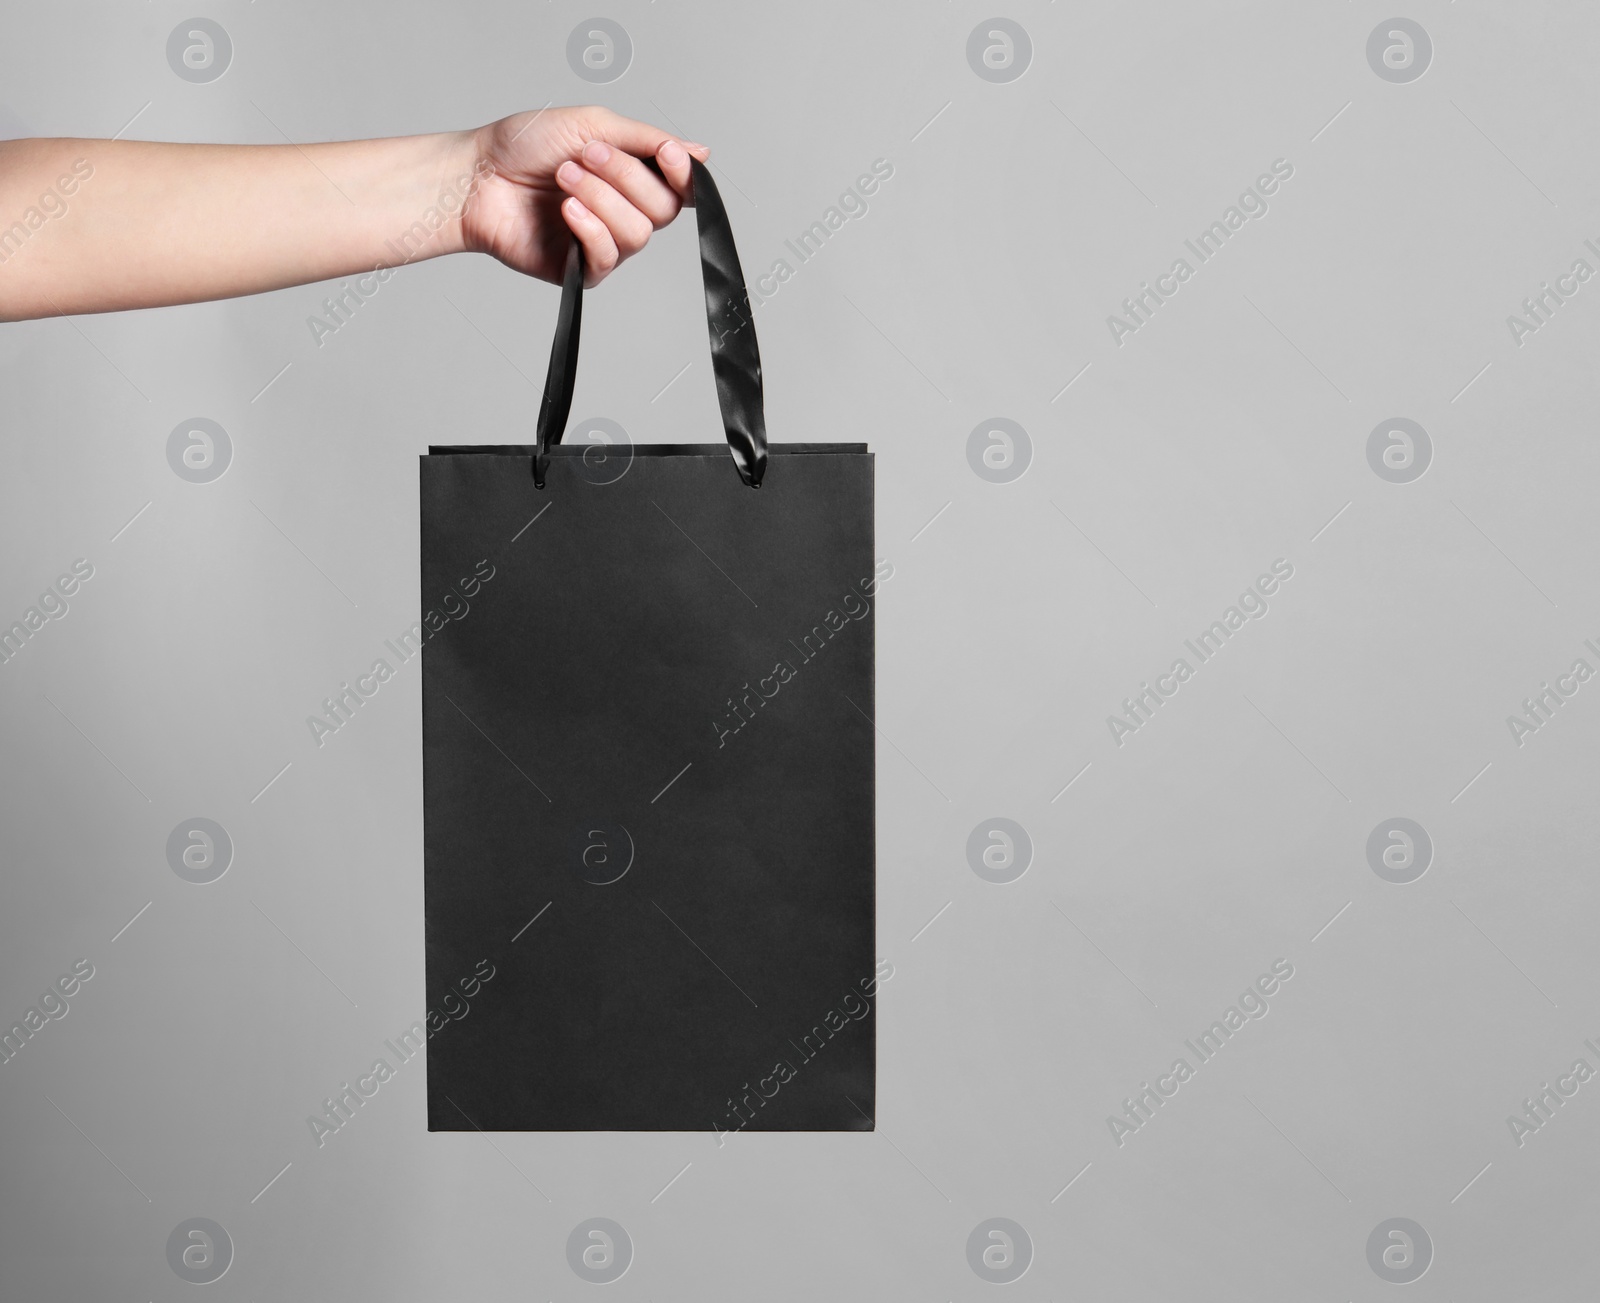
(104, 225)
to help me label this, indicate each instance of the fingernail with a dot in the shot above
(694, 144)
(671, 153)
(576, 209)
(596, 152)
(569, 173)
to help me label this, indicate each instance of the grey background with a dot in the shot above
(1168, 872)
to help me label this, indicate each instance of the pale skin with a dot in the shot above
(154, 224)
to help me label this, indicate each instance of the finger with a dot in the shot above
(636, 183)
(600, 254)
(637, 138)
(644, 141)
(629, 228)
(674, 160)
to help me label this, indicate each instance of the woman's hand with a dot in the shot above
(108, 225)
(565, 172)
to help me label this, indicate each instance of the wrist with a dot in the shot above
(461, 167)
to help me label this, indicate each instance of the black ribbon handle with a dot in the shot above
(735, 355)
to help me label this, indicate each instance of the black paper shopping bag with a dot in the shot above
(648, 750)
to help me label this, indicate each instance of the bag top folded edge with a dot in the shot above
(640, 449)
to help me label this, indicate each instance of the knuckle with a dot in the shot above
(638, 232)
